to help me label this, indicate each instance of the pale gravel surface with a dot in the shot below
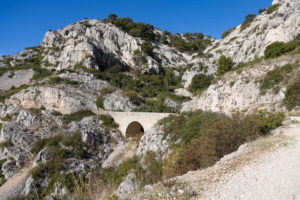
(21, 77)
(266, 169)
(15, 185)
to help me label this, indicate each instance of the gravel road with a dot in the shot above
(266, 169)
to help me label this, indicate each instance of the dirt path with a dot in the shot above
(266, 169)
(14, 185)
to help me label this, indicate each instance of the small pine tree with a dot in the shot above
(224, 65)
(147, 48)
(112, 17)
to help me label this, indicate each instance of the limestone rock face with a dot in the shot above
(127, 186)
(67, 57)
(17, 153)
(244, 44)
(18, 58)
(94, 136)
(152, 140)
(240, 92)
(116, 101)
(71, 98)
(63, 99)
(183, 92)
(9, 168)
(93, 43)
(86, 81)
(19, 78)
(20, 133)
(41, 158)
(97, 146)
(281, 25)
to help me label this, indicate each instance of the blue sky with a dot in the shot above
(24, 22)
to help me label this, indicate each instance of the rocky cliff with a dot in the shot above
(248, 40)
(50, 96)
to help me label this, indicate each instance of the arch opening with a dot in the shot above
(134, 129)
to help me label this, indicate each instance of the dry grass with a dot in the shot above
(93, 189)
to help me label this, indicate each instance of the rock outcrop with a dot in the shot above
(153, 140)
(95, 44)
(72, 71)
(246, 42)
(240, 91)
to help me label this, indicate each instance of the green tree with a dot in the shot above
(99, 102)
(224, 65)
(112, 17)
(147, 48)
(169, 77)
(200, 82)
(250, 17)
(274, 50)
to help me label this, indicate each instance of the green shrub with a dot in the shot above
(272, 8)
(56, 113)
(7, 118)
(40, 73)
(106, 91)
(224, 65)
(11, 75)
(99, 102)
(13, 90)
(226, 33)
(72, 147)
(153, 168)
(45, 142)
(292, 95)
(178, 99)
(200, 82)
(277, 49)
(205, 137)
(36, 171)
(2, 178)
(142, 30)
(248, 19)
(260, 11)
(147, 48)
(269, 121)
(133, 97)
(147, 85)
(57, 79)
(51, 170)
(108, 121)
(116, 176)
(232, 83)
(6, 143)
(76, 116)
(191, 43)
(249, 63)
(2, 98)
(275, 77)
(78, 146)
(274, 50)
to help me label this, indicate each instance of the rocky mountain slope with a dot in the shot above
(240, 90)
(264, 169)
(55, 145)
(248, 41)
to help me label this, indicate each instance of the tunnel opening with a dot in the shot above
(134, 129)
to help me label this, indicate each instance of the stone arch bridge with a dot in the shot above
(132, 123)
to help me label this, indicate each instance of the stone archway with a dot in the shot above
(134, 129)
